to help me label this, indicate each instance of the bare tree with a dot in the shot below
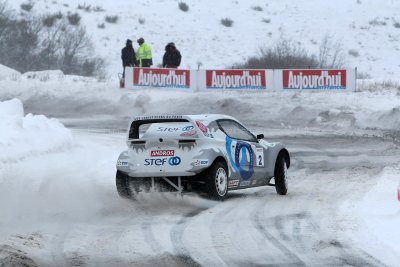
(29, 44)
(331, 53)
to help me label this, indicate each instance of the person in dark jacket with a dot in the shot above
(172, 57)
(128, 56)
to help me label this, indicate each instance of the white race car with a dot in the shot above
(208, 153)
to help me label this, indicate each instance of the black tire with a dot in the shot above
(217, 181)
(281, 185)
(123, 185)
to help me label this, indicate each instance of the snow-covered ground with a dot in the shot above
(60, 137)
(60, 207)
(366, 29)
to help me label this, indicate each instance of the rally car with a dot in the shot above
(211, 154)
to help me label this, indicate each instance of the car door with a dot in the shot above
(245, 154)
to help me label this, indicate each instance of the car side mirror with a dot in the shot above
(260, 136)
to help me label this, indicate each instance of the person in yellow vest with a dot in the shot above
(143, 55)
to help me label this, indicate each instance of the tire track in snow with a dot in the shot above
(217, 238)
(176, 235)
(57, 247)
(149, 236)
(327, 251)
(258, 224)
(237, 239)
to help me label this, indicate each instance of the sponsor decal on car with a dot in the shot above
(201, 162)
(161, 77)
(233, 183)
(156, 162)
(175, 129)
(122, 163)
(162, 153)
(244, 183)
(204, 129)
(189, 133)
(314, 79)
(240, 164)
(173, 161)
(236, 79)
(260, 157)
(187, 128)
(168, 129)
(254, 182)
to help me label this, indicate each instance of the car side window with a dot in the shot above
(235, 130)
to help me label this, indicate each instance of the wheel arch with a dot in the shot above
(220, 158)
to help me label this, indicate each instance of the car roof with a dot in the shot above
(205, 118)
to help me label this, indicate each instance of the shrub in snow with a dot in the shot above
(266, 20)
(101, 26)
(377, 22)
(353, 52)
(87, 8)
(49, 20)
(111, 19)
(74, 19)
(257, 8)
(227, 22)
(58, 15)
(183, 6)
(396, 24)
(286, 55)
(141, 20)
(27, 6)
(98, 9)
(363, 75)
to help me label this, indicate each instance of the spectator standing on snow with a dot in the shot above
(128, 56)
(144, 54)
(172, 57)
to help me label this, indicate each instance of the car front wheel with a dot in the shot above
(281, 185)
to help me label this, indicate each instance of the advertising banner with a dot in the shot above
(236, 79)
(244, 80)
(304, 79)
(158, 78)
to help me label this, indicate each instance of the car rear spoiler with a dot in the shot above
(133, 132)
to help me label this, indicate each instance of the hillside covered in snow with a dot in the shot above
(367, 30)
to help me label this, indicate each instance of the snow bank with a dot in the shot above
(8, 73)
(33, 134)
(378, 216)
(44, 75)
(64, 96)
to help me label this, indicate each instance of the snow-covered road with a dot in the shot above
(62, 209)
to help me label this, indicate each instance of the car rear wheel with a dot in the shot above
(217, 181)
(281, 185)
(124, 188)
